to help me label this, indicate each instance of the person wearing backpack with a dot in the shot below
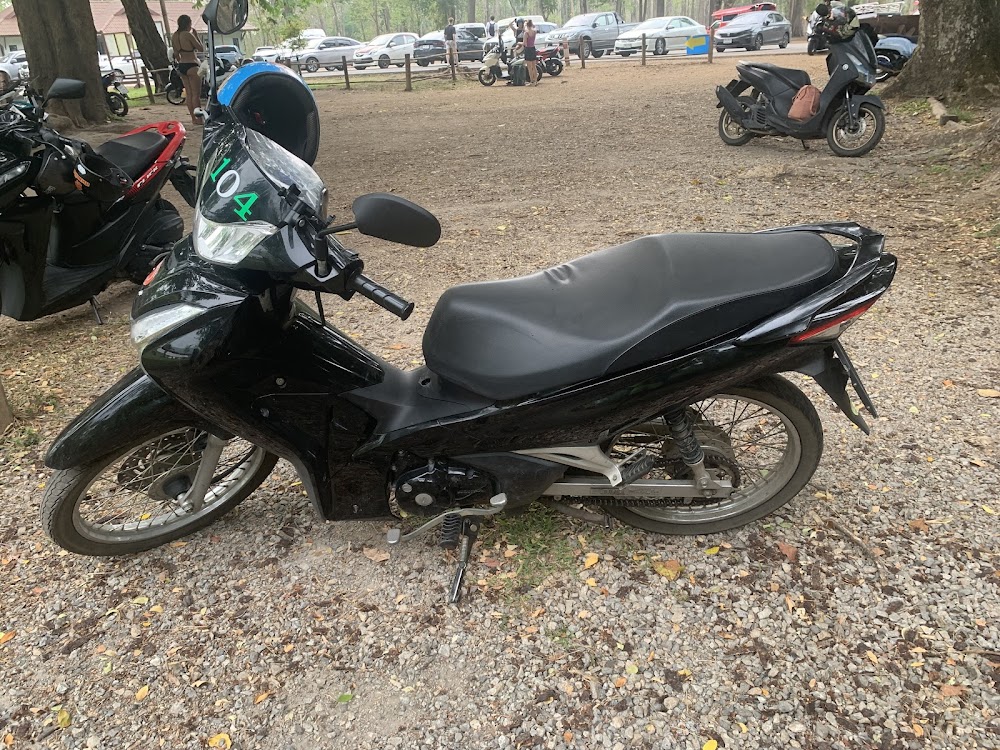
(491, 27)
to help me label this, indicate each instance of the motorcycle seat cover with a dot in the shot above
(134, 153)
(791, 77)
(618, 309)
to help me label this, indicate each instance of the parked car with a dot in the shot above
(265, 54)
(478, 30)
(591, 33)
(430, 48)
(230, 54)
(385, 50)
(326, 52)
(123, 64)
(662, 35)
(10, 69)
(543, 28)
(754, 30)
(721, 17)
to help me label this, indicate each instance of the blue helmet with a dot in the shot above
(275, 102)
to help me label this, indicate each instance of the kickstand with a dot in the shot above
(470, 530)
(97, 312)
(805, 146)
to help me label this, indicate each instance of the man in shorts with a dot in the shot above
(450, 43)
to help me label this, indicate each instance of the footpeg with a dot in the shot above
(497, 504)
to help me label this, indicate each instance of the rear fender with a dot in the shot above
(734, 87)
(729, 102)
(830, 373)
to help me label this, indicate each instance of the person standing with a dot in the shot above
(491, 27)
(450, 43)
(186, 48)
(530, 53)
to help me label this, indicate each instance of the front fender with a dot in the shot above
(132, 410)
(857, 101)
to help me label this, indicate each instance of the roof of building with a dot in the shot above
(110, 18)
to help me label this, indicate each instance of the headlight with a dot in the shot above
(228, 244)
(158, 322)
(14, 172)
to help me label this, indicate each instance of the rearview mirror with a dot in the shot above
(66, 88)
(396, 219)
(226, 16)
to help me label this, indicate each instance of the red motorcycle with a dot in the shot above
(550, 60)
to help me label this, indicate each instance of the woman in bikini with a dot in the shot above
(186, 48)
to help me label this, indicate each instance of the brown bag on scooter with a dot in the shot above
(805, 105)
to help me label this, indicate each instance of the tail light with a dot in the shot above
(152, 274)
(828, 330)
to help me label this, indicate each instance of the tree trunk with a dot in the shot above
(62, 39)
(795, 15)
(958, 55)
(147, 38)
(471, 15)
(6, 415)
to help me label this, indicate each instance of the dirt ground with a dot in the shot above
(522, 179)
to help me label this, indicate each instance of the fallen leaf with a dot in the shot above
(918, 730)
(63, 718)
(620, 682)
(141, 693)
(872, 657)
(789, 602)
(261, 698)
(712, 551)
(289, 647)
(948, 383)
(8, 740)
(345, 698)
(631, 668)
(988, 509)
(220, 740)
(591, 581)
(789, 550)
(141, 600)
(684, 672)
(743, 727)
(583, 614)
(157, 609)
(567, 736)
(949, 691)
(710, 745)
(397, 347)
(375, 555)
(988, 392)
(4, 637)
(590, 560)
(920, 524)
(669, 569)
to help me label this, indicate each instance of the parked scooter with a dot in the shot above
(550, 60)
(175, 86)
(851, 120)
(815, 39)
(891, 54)
(634, 380)
(74, 218)
(118, 98)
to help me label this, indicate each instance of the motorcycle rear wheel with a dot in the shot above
(117, 104)
(175, 95)
(738, 430)
(84, 510)
(487, 77)
(731, 132)
(865, 136)
(553, 66)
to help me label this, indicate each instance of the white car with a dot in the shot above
(10, 69)
(386, 50)
(662, 35)
(123, 64)
(265, 54)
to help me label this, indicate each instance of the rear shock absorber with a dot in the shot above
(682, 431)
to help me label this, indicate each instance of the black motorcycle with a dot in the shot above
(117, 94)
(668, 414)
(74, 218)
(758, 102)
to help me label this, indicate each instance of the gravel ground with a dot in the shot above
(864, 615)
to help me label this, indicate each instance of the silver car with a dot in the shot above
(327, 52)
(753, 30)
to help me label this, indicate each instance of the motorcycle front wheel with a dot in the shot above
(764, 437)
(553, 66)
(134, 500)
(857, 140)
(487, 77)
(117, 104)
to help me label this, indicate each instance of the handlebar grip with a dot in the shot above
(381, 296)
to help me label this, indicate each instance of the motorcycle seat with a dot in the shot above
(618, 309)
(791, 77)
(134, 153)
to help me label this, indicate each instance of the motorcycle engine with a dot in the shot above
(434, 486)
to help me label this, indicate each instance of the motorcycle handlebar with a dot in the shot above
(380, 296)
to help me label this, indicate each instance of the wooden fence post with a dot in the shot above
(6, 414)
(642, 53)
(583, 60)
(565, 52)
(711, 44)
(409, 81)
(347, 78)
(149, 90)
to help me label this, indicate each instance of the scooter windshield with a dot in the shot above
(241, 201)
